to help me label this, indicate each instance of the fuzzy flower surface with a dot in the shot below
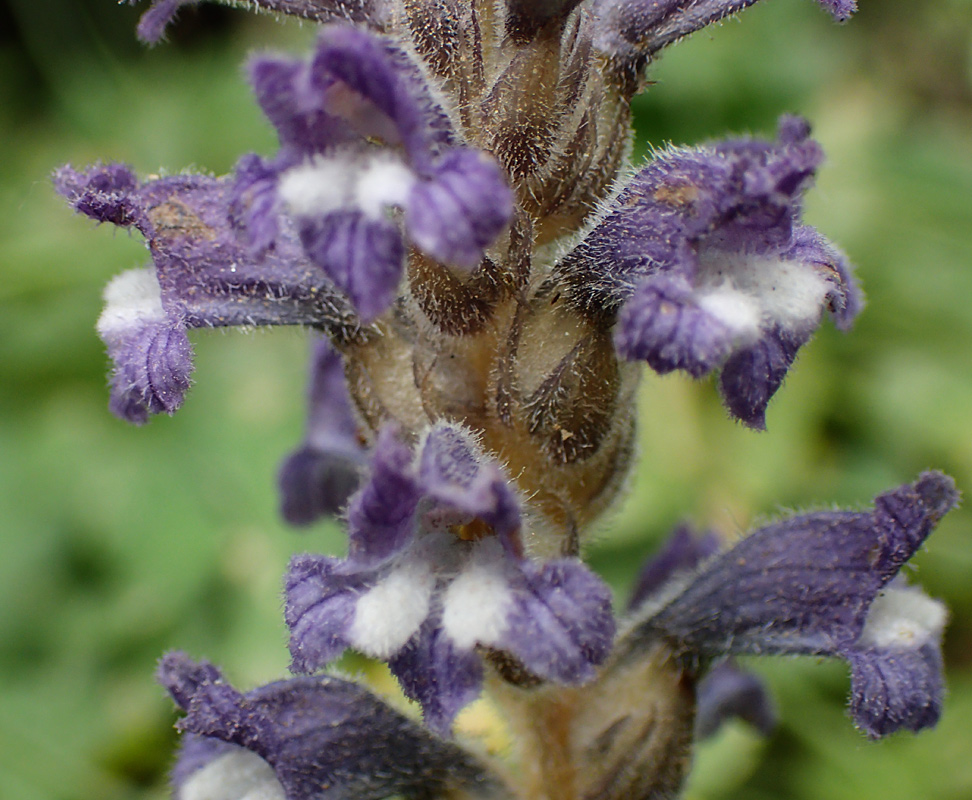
(451, 211)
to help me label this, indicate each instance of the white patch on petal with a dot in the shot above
(477, 603)
(131, 298)
(318, 187)
(386, 616)
(738, 311)
(382, 183)
(902, 617)
(787, 293)
(239, 775)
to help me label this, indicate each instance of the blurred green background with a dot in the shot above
(120, 543)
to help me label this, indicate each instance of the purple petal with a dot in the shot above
(681, 554)
(328, 738)
(363, 257)
(320, 608)
(560, 625)
(399, 109)
(460, 210)
(295, 106)
(319, 477)
(149, 349)
(454, 471)
(751, 376)
(663, 324)
(439, 676)
(896, 688)
(152, 25)
(381, 514)
(728, 691)
(846, 299)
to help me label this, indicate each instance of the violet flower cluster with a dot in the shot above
(452, 211)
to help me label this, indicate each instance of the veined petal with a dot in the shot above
(561, 625)
(440, 676)
(381, 515)
(665, 325)
(397, 106)
(320, 599)
(321, 737)
(363, 257)
(150, 351)
(460, 210)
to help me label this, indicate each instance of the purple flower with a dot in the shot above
(704, 264)
(362, 139)
(436, 575)
(825, 584)
(203, 277)
(307, 738)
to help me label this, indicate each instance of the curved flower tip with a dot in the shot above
(704, 254)
(823, 584)
(106, 193)
(307, 738)
(436, 576)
